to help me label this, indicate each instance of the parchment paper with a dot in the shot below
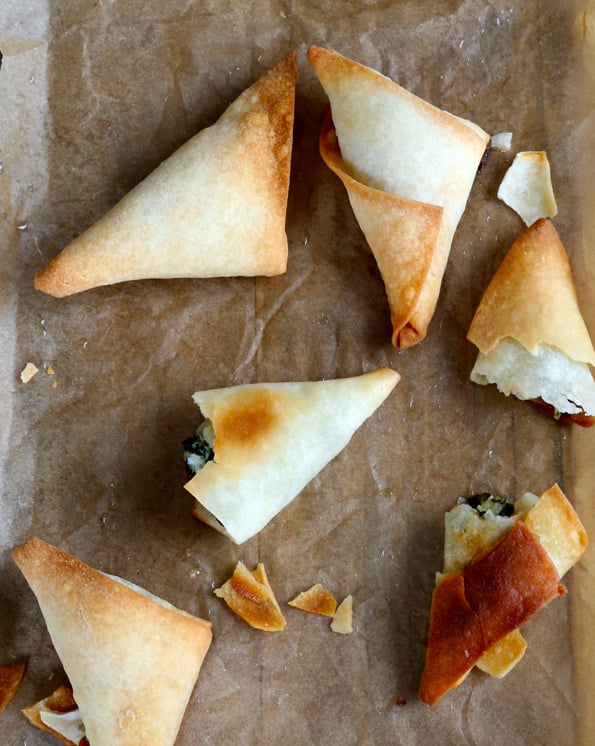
(93, 95)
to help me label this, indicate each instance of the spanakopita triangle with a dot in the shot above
(532, 339)
(480, 602)
(216, 207)
(260, 444)
(132, 659)
(408, 168)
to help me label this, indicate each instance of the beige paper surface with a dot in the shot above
(93, 95)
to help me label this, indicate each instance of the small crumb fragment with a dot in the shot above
(502, 141)
(250, 596)
(28, 372)
(527, 187)
(342, 620)
(50, 371)
(316, 600)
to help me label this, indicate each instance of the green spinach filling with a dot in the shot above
(487, 503)
(198, 449)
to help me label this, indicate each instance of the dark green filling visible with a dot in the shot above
(198, 449)
(487, 503)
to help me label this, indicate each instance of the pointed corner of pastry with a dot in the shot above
(316, 55)
(386, 378)
(50, 280)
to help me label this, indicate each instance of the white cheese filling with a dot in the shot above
(548, 374)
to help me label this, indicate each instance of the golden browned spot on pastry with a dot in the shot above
(251, 597)
(316, 600)
(10, 678)
(247, 418)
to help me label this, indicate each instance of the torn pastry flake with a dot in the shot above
(478, 608)
(343, 617)
(10, 679)
(319, 600)
(28, 372)
(316, 600)
(527, 187)
(501, 141)
(250, 596)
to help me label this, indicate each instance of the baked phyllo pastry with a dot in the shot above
(11, 676)
(408, 168)
(532, 339)
(132, 659)
(502, 565)
(250, 596)
(260, 444)
(216, 207)
(527, 186)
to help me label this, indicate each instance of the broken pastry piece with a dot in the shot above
(260, 444)
(132, 659)
(250, 596)
(515, 571)
(10, 680)
(214, 208)
(408, 168)
(342, 622)
(527, 187)
(531, 336)
(319, 600)
(316, 600)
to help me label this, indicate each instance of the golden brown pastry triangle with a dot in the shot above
(532, 339)
(131, 658)
(216, 207)
(408, 168)
(270, 439)
(532, 299)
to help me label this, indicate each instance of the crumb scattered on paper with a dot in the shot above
(527, 187)
(28, 372)
(316, 600)
(343, 618)
(251, 597)
(502, 141)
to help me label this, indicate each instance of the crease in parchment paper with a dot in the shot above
(253, 333)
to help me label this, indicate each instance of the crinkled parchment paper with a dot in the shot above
(93, 95)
